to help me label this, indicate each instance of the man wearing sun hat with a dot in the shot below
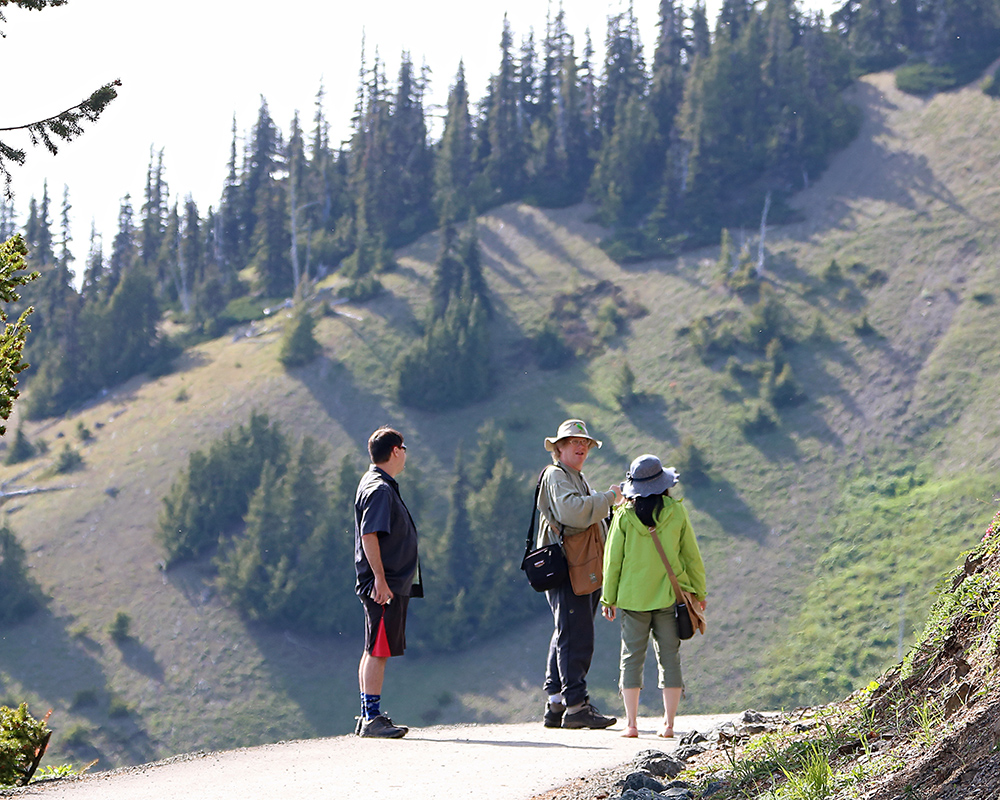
(568, 506)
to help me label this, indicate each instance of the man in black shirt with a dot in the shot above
(388, 570)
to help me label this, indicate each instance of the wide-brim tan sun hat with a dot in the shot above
(570, 428)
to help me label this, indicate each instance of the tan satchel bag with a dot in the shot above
(690, 617)
(585, 557)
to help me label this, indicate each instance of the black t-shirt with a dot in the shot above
(378, 508)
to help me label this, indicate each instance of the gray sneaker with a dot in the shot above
(381, 727)
(588, 717)
(553, 715)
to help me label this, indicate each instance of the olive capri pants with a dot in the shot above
(636, 628)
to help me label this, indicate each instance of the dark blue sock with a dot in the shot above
(370, 705)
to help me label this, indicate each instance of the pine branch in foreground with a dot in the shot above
(66, 125)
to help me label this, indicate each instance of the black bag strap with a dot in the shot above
(534, 511)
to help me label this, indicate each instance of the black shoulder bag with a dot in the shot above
(545, 567)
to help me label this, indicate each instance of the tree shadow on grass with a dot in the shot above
(140, 658)
(719, 499)
(57, 668)
(650, 414)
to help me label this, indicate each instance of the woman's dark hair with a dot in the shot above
(647, 507)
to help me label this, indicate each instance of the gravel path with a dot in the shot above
(514, 761)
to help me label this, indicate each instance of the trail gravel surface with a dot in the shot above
(502, 762)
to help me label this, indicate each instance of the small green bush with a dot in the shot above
(248, 308)
(991, 86)
(20, 450)
(118, 707)
(923, 79)
(874, 278)
(83, 432)
(118, 628)
(832, 273)
(862, 327)
(361, 290)
(624, 387)
(67, 460)
(610, 320)
(550, 347)
(758, 417)
(298, 344)
(76, 736)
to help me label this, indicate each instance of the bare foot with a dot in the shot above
(631, 732)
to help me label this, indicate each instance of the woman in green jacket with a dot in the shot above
(636, 581)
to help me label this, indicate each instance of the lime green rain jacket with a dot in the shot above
(634, 576)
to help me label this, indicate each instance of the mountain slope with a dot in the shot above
(823, 538)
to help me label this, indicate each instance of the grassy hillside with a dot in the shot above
(823, 538)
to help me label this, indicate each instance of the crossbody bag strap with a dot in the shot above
(534, 510)
(666, 563)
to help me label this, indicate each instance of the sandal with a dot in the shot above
(630, 733)
(666, 733)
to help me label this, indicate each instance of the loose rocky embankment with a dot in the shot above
(928, 729)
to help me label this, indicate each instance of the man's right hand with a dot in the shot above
(381, 594)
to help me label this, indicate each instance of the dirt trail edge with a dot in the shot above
(503, 762)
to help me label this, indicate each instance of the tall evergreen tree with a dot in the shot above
(270, 248)
(505, 163)
(666, 90)
(453, 172)
(124, 248)
(230, 221)
(93, 274)
(624, 69)
(257, 186)
(411, 160)
(153, 214)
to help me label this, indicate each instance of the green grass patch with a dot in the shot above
(893, 535)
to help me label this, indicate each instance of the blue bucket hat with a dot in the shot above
(646, 476)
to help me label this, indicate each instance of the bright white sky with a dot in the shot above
(187, 66)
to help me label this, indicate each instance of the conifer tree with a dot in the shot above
(12, 334)
(65, 257)
(230, 221)
(666, 90)
(257, 192)
(123, 248)
(505, 164)
(38, 230)
(65, 125)
(270, 247)
(153, 214)
(450, 366)
(323, 594)
(624, 175)
(527, 92)
(93, 273)
(624, 69)
(701, 37)
(453, 171)
(21, 595)
(411, 160)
